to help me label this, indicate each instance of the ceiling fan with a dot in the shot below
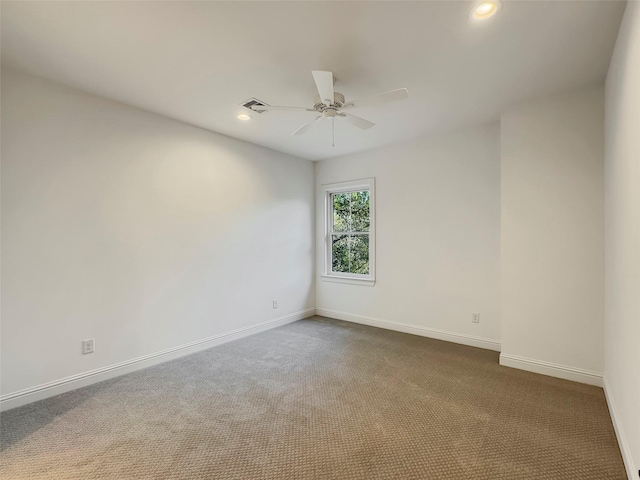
(330, 104)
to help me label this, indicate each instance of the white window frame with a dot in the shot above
(344, 187)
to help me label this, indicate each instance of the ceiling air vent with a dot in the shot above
(254, 102)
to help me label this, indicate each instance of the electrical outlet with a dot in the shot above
(88, 346)
(475, 318)
(275, 304)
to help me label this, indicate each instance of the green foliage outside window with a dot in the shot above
(350, 237)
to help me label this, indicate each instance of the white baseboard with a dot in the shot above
(39, 392)
(463, 339)
(622, 440)
(551, 369)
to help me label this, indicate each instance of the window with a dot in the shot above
(349, 232)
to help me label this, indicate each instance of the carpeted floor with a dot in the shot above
(319, 399)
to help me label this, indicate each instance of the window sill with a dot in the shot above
(348, 280)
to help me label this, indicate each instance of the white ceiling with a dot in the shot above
(197, 61)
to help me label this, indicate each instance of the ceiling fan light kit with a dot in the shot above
(330, 104)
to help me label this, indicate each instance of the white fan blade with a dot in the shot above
(268, 108)
(306, 126)
(357, 121)
(392, 96)
(324, 82)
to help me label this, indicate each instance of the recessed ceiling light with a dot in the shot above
(243, 116)
(485, 9)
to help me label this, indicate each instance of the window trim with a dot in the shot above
(343, 187)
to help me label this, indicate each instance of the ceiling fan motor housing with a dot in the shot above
(320, 106)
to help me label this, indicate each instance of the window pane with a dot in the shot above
(350, 254)
(360, 215)
(351, 212)
(340, 253)
(359, 254)
(341, 212)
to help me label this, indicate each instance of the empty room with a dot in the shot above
(309, 240)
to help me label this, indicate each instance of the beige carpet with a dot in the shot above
(319, 399)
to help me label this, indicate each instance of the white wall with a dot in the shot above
(553, 234)
(622, 237)
(139, 231)
(438, 237)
